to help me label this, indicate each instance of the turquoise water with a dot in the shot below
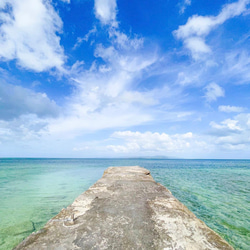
(34, 190)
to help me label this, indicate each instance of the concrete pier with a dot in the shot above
(125, 209)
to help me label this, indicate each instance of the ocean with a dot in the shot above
(32, 191)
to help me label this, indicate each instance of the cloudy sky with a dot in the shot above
(119, 78)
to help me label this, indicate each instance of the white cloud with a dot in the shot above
(231, 10)
(130, 61)
(230, 109)
(151, 142)
(16, 101)
(237, 64)
(197, 46)
(28, 34)
(202, 25)
(105, 11)
(184, 5)
(228, 125)
(85, 38)
(193, 33)
(107, 95)
(190, 77)
(230, 135)
(233, 134)
(196, 26)
(24, 128)
(104, 95)
(213, 91)
(123, 41)
(83, 119)
(148, 143)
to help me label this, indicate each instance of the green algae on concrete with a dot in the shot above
(125, 209)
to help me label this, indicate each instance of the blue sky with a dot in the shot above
(116, 78)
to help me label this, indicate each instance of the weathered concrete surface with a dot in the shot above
(125, 209)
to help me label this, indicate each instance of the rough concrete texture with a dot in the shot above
(125, 209)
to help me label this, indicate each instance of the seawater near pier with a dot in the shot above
(125, 209)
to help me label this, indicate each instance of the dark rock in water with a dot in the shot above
(125, 209)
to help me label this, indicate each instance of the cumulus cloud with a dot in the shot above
(28, 34)
(16, 101)
(230, 109)
(227, 125)
(197, 46)
(24, 128)
(105, 11)
(233, 133)
(213, 91)
(196, 29)
(152, 144)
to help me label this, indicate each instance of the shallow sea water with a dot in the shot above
(32, 191)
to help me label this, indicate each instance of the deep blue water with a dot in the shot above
(34, 190)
